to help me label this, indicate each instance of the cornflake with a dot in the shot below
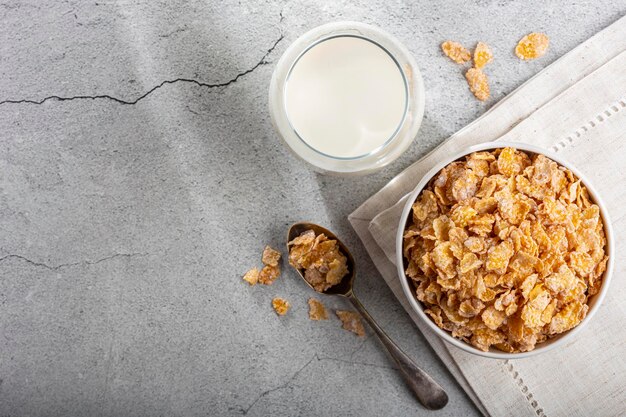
(281, 306)
(482, 55)
(252, 276)
(317, 311)
(478, 83)
(504, 249)
(270, 256)
(270, 271)
(269, 274)
(531, 46)
(351, 321)
(319, 258)
(456, 52)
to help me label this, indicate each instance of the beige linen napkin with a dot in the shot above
(577, 108)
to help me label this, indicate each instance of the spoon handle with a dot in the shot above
(427, 391)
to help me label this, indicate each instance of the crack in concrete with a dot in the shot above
(359, 348)
(287, 383)
(233, 80)
(66, 265)
(175, 31)
(282, 386)
(371, 365)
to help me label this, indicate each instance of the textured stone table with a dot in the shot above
(140, 177)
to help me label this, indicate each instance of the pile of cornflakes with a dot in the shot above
(324, 266)
(320, 258)
(504, 249)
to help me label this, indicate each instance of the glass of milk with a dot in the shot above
(347, 98)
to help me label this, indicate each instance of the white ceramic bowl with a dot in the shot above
(559, 340)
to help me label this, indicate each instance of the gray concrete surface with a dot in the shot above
(140, 177)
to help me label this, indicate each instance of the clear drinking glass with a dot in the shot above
(404, 133)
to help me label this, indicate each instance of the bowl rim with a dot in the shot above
(492, 353)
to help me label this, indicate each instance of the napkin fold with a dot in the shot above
(575, 107)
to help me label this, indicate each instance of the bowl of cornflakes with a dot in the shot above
(505, 251)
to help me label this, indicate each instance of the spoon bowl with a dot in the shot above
(428, 392)
(344, 288)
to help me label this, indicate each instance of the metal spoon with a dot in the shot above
(427, 391)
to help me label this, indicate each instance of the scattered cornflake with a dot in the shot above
(252, 276)
(281, 306)
(456, 52)
(317, 311)
(504, 249)
(532, 46)
(270, 256)
(351, 321)
(320, 258)
(478, 83)
(268, 274)
(482, 55)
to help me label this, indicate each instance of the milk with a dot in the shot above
(345, 97)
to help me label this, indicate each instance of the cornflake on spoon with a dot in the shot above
(320, 258)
